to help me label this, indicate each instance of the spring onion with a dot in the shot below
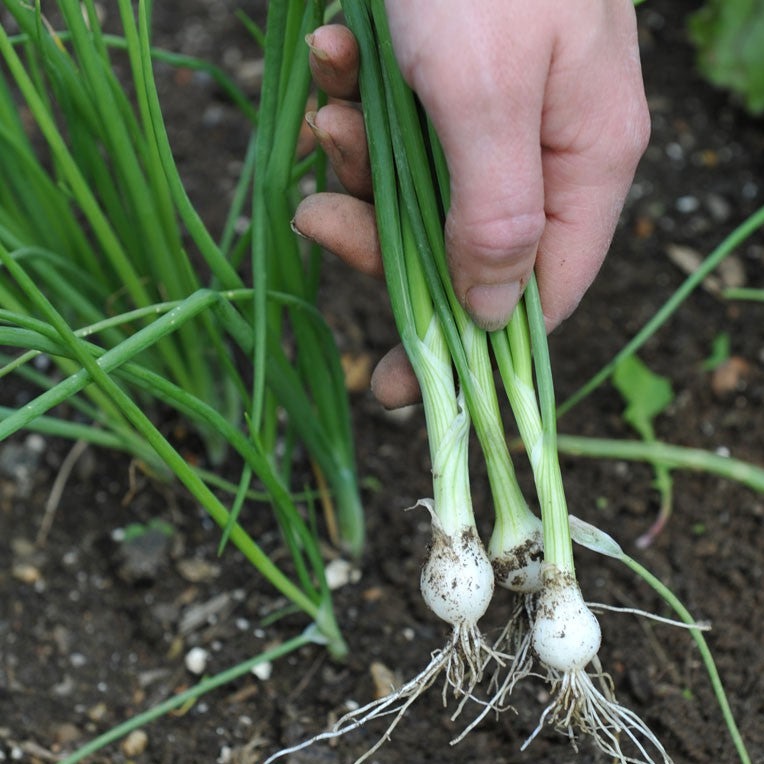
(565, 633)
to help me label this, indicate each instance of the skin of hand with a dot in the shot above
(541, 111)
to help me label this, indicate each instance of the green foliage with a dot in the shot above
(720, 352)
(108, 269)
(729, 35)
(136, 530)
(646, 394)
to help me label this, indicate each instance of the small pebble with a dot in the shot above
(719, 207)
(340, 572)
(732, 272)
(384, 679)
(97, 713)
(197, 570)
(196, 660)
(66, 733)
(730, 376)
(64, 688)
(674, 151)
(357, 368)
(250, 73)
(135, 743)
(142, 558)
(20, 462)
(750, 190)
(687, 204)
(35, 443)
(263, 670)
(26, 573)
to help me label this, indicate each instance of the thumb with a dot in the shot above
(481, 78)
(496, 218)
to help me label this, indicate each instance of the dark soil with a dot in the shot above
(89, 636)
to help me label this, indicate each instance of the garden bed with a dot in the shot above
(91, 634)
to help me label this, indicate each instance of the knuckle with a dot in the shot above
(499, 240)
(642, 128)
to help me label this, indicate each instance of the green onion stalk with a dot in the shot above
(565, 633)
(107, 210)
(515, 546)
(557, 604)
(120, 226)
(117, 215)
(457, 555)
(279, 266)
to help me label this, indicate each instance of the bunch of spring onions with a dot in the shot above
(532, 558)
(553, 632)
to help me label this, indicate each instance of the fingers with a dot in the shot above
(345, 226)
(535, 116)
(541, 112)
(494, 63)
(334, 61)
(590, 156)
(339, 128)
(340, 132)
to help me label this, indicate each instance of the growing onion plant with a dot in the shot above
(108, 270)
(124, 239)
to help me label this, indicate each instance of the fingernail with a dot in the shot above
(321, 135)
(319, 53)
(324, 138)
(296, 230)
(491, 305)
(321, 61)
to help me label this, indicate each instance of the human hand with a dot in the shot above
(541, 111)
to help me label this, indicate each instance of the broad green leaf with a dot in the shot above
(729, 35)
(646, 394)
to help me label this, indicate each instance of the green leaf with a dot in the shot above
(720, 352)
(646, 394)
(134, 531)
(729, 35)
